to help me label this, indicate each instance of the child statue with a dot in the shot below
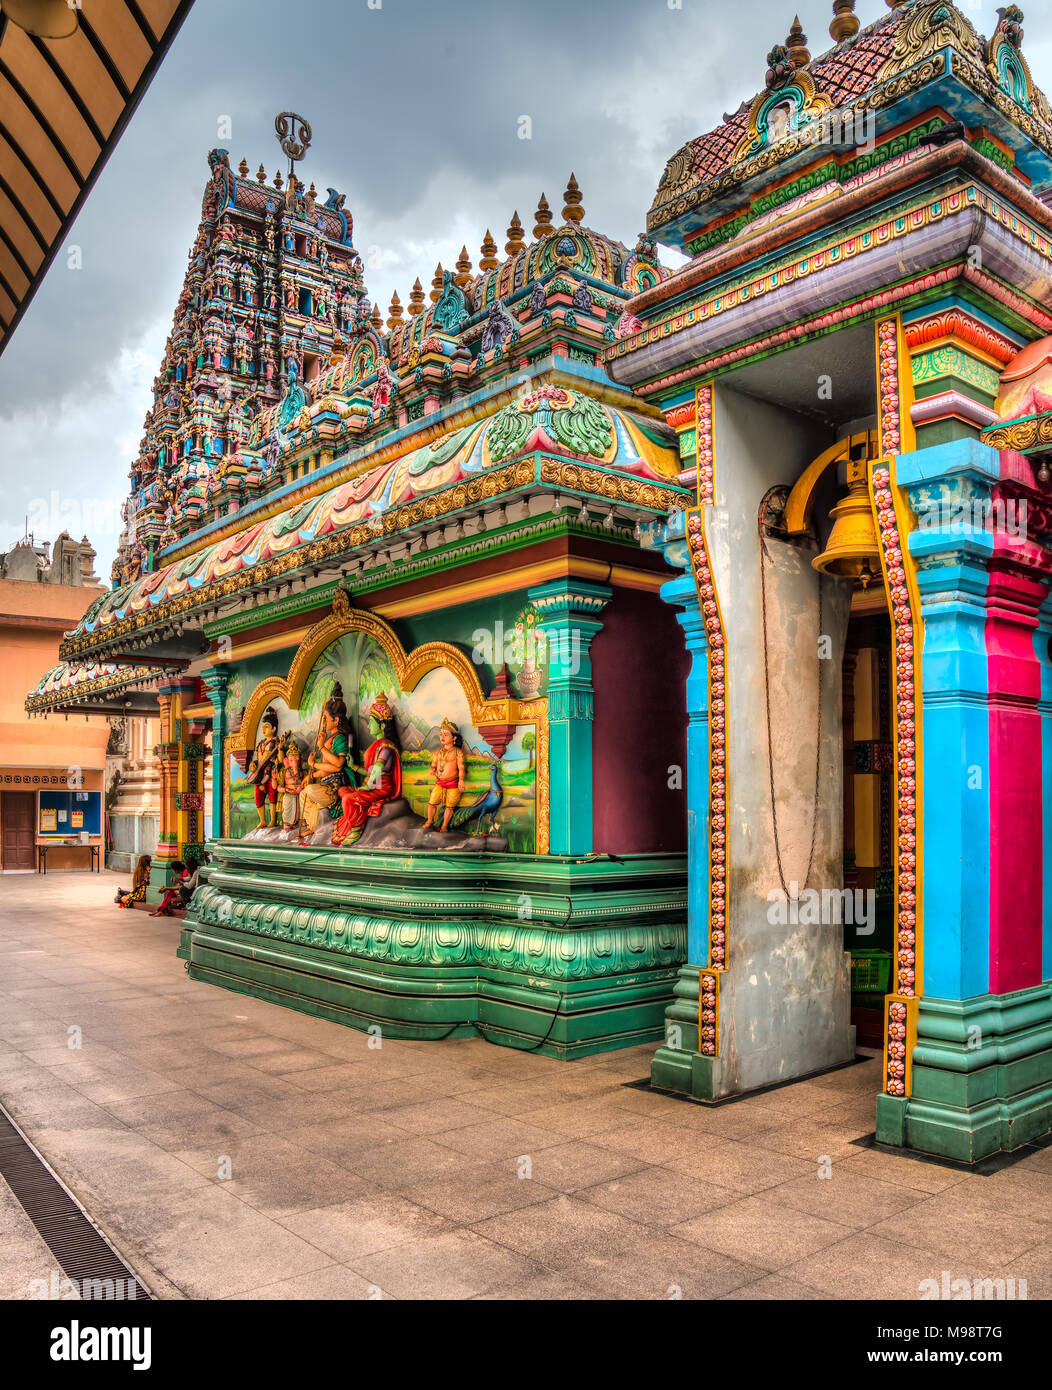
(291, 778)
(383, 775)
(447, 768)
(263, 767)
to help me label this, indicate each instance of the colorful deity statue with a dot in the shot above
(262, 770)
(448, 770)
(327, 764)
(382, 769)
(291, 777)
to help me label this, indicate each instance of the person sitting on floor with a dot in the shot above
(140, 883)
(173, 896)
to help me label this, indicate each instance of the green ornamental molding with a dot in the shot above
(529, 947)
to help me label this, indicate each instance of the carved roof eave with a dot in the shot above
(405, 439)
(686, 336)
(109, 689)
(779, 161)
(1031, 434)
(534, 474)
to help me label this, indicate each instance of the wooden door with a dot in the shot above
(18, 817)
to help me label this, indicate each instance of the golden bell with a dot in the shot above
(852, 551)
(45, 19)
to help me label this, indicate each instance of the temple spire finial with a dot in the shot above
(376, 319)
(516, 236)
(394, 312)
(543, 216)
(572, 209)
(488, 252)
(796, 43)
(463, 276)
(416, 298)
(436, 284)
(844, 24)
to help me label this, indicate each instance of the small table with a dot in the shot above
(94, 866)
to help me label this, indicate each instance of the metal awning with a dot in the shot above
(64, 103)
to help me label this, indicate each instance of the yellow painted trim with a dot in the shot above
(292, 638)
(507, 581)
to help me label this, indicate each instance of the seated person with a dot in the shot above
(173, 896)
(140, 883)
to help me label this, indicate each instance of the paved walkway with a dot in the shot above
(233, 1149)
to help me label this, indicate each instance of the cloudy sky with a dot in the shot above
(416, 108)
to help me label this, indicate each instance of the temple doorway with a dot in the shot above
(868, 809)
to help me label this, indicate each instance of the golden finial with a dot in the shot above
(796, 43)
(394, 313)
(572, 210)
(312, 192)
(376, 319)
(488, 253)
(278, 180)
(463, 276)
(261, 175)
(436, 284)
(543, 217)
(416, 298)
(845, 22)
(242, 168)
(516, 236)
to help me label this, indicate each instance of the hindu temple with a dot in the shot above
(588, 653)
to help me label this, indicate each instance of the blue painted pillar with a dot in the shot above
(948, 487)
(216, 679)
(568, 616)
(682, 592)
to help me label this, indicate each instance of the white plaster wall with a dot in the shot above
(785, 999)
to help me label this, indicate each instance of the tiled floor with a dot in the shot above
(233, 1149)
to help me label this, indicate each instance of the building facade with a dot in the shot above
(597, 653)
(51, 772)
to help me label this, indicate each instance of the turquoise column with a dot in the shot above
(948, 487)
(568, 616)
(216, 679)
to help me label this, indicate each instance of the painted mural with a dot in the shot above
(360, 749)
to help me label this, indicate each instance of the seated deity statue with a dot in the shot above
(382, 769)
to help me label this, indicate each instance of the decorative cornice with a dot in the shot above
(1032, 435)
(952, 404)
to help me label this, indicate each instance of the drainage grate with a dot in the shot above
(82, 1251)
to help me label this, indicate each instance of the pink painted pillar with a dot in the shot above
(1016, 849)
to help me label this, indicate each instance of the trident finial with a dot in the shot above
(294, 137)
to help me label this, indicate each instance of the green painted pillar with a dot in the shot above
(216, 679)
(569, 617)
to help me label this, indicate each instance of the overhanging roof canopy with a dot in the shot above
(96, 688)
(64, 103)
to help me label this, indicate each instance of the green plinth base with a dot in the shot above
(678, 1065)
(982, 1077)
(555, 955)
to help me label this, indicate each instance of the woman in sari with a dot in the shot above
(327, 764)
